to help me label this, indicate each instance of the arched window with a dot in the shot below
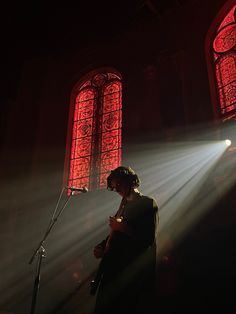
(223, 62)
(95, 136)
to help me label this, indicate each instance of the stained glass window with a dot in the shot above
(224, 49)
(96, 131)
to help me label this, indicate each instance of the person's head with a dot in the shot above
(123, 180)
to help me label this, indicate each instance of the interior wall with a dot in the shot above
(165, 85)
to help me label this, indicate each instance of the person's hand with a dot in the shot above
(98, 251)
(116, 224)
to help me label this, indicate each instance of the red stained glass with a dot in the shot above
(79, 167)
(84, 96)
(111, 140)
(81, 147)
(99, 79)
(112, 97)
(87, 83)
(229, 117)
(112, 88)
(109, 160)
(228, 96)
(111, 102)
(83, 128)
(225, 64)
(111, 121)
(226, 70)
(96, 135)
(87, 112)
(228, 109)
(103, 180)
(228, 19)
(226, 39)
(113, 76)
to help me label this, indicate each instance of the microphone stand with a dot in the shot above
(40, 250)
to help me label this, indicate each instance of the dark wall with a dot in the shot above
(163, 64)
(161, 57)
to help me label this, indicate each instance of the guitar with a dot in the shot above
(105, 246)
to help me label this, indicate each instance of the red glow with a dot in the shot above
(111, 129)
(228, 19)
(228, 97)
(226, 39)
(225, 64)
(226, 69)
(96, 135)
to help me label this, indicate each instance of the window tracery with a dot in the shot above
(224, 47)
(96, 131)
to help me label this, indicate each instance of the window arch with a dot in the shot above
(95, 134)
(222, 69)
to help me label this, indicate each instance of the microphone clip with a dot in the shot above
(75, 190)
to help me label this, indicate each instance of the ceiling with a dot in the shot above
(31, 29)
(41, 27)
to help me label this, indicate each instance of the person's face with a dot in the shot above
(120, 187)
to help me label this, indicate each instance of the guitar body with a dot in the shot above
(96, 281)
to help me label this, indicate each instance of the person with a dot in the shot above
(125, 279)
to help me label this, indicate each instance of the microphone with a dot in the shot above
(74, 189)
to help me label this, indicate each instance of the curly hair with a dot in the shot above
(123, 174)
